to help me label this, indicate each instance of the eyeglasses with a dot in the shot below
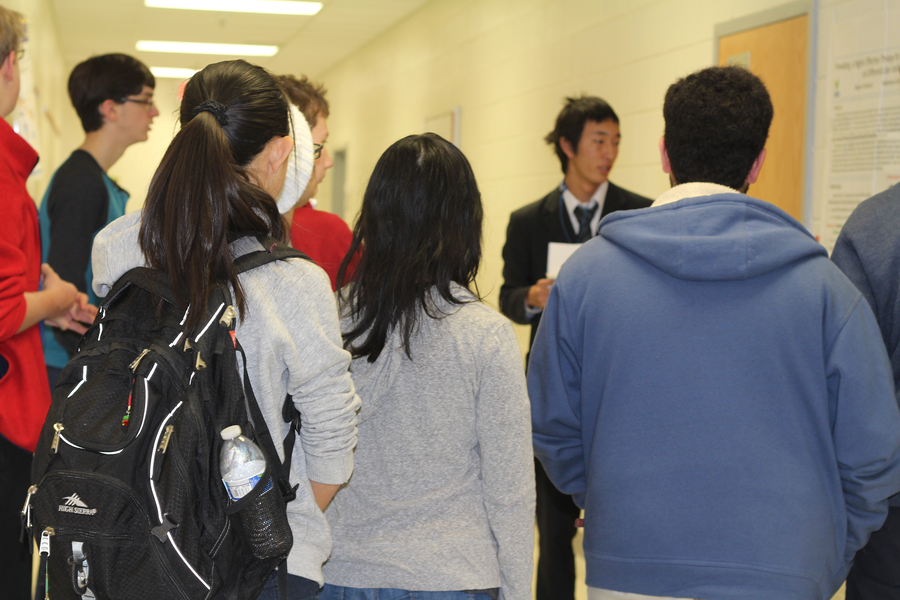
(148, 103)
(20, 54)
(317, 150)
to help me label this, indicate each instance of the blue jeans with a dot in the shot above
(299, 588)
(334, 592)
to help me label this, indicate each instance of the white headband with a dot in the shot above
(300, 162)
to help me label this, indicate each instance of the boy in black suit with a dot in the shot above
(586, 139)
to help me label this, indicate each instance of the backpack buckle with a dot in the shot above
(162, 530)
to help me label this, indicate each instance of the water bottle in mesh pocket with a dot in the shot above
(261, 522)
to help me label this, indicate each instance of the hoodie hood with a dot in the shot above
(722, 237)
(374, 381)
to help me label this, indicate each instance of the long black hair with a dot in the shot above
(418, 231)
(201, 197)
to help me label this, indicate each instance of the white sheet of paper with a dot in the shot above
(557, 254)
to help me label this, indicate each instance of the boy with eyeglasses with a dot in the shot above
(113, 96)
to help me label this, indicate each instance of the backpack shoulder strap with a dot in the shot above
(274, 250)
(264, 436)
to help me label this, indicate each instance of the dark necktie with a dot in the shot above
(584, 217)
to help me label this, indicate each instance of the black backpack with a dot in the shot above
(128, 500)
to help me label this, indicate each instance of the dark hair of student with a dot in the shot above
(717, 122)
(419, 230)
(571, 121)
(307, 96)
(102, 78)
(201, 197)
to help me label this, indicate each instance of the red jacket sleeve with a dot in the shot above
(13, 268)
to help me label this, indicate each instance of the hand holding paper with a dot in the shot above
(538, 293)
(557, 254)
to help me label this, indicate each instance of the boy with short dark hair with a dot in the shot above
(585, 138)
(113, 96)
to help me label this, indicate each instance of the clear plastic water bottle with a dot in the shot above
(241, 463)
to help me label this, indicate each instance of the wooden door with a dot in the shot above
(777, 54)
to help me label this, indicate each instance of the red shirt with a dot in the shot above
(24, 391)
(325, 238)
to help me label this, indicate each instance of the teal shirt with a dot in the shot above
(84, 200)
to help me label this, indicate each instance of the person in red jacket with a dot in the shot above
(321, 235)
(24, 391)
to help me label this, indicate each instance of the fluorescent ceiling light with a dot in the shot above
(198, 48)
(271, 7)
(172, 73)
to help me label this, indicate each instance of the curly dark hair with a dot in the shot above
(717, 122)
(571, 121)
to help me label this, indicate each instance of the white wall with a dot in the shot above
(509, 64)
(48, 75)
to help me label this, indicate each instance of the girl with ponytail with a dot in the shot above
(212, 195)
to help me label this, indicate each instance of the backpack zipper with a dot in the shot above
(228, 316)
(44, 551)
(137, 361)
(26, 510)
(59, 427)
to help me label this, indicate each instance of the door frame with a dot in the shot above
(776, 14)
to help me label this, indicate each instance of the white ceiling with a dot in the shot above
(307, 45)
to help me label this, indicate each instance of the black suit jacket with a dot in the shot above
(530, 231)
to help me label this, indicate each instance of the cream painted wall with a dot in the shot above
(51, 101)
(509, 64)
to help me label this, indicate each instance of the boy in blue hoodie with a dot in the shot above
(709, 387)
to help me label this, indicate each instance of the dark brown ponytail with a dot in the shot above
(201, 198)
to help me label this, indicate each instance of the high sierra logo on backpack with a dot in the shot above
(128, 501)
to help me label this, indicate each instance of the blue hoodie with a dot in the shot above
(716, 396)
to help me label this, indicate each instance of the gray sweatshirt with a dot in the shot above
(293, 344)
(442, 497)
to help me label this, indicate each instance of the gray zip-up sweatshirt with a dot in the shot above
(442, 497)
(293, 344)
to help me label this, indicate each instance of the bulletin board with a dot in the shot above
(858, 106)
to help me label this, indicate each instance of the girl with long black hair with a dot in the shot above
(441, 505)
(213, 193)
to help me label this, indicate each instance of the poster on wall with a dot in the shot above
(862, 112)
